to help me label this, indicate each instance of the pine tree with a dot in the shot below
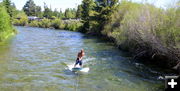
(104, 8)
(47, 11)
(79, 10)
(87, 13)
(38, 11)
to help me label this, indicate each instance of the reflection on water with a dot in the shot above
(36, 59)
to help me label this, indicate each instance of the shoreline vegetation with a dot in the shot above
(56, 23)
(6, 28)
(147, 32)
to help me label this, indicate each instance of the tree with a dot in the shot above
(56, 13)
(104, 9)
(61, 14)
(47, 11)
(87, 13)
(10, 7)
(30, 8)
(79, 10)
(70, 13)
(38, 11)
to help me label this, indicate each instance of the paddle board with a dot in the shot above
(78, 68)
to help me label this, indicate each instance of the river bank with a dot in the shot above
(55, 23)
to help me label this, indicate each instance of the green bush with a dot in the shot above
(23, 21)
(57, 24)
(144, 29)
(6, 28)
(45, 23)
(34, 23)
(73, 25)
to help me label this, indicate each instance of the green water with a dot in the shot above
(36, 58)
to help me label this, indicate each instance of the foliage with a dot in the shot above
(61, 14)
(79, 10)
(73, 25)
(146, 31)
(10, 8)
(48, 13)
(70, 13)
(34, 23)
(95, 14)
(45, 23)
(57, 23)
(87, 13)
(104, 9)
(38, 12)
(56, 13)
(5, 25)
(30, 8)
(22, 21)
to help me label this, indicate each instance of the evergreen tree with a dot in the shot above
(56, 13)
(61, 14)
(70, 13)
(47, 11)
(87, 13)
(79, 10)
(30, 8)
(38, 11)
(104, 9)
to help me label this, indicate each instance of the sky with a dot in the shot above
(63, 4)
(59, 4)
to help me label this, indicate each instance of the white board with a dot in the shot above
(78, 68)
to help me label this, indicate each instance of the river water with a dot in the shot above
(36, 59)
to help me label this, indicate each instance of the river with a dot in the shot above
(36, 59)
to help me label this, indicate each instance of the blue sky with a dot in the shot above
(63, 4)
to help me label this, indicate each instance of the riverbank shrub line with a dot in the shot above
(6, 29)
(147, 32)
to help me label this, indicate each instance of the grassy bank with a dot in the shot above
(6, 28)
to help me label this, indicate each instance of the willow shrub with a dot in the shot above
(146, 30)
(73, 25)
(34, 23)
(57, 23)
(45, 23)
(5, 25)
(23, 21)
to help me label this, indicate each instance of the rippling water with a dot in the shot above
(36, 59)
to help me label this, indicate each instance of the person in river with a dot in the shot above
(79, 58)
